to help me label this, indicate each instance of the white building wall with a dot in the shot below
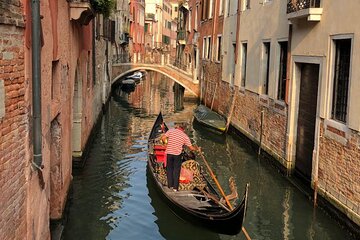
(262, 22)
(228, 39)
(314, 39)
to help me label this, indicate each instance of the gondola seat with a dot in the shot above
(197, 181)
(160, 154)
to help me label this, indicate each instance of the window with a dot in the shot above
(232, 80)
(204, 47)
(341, 79)
(221, 8)
(208, 52)
(265, 67)
(228, 7)
(218, 49)
(211, 2)
(243, 63)
(245, 5)
(55, 86)
(195, 58)
(165, 39)
(282, 70)
(189, 21)
(204, 10)
(196, 18)
(146, 28)
(176, 9)
(2, 99)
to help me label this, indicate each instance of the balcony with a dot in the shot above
(181, 36)
(310, 9)
(81, 11)
(124, 38)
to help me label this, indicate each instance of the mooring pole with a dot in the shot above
(261, 130)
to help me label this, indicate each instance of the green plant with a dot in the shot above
(104, 7)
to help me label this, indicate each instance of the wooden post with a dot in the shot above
(212, 101)
(231, 111)
(315, 193)
(261, 130)
(206, 86)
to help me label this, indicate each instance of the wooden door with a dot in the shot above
(306, 119)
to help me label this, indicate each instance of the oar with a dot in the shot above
(216, 181)
(222, 191)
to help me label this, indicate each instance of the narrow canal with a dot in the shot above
(112, 197)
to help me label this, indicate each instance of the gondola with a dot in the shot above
(197, 201)
(209, 118)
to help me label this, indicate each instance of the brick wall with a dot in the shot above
(14, 124)
(339, 164)
(246, 114)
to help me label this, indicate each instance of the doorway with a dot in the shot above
(306, 123)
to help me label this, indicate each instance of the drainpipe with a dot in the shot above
(36, 83)
(289, 140)
(93, 51)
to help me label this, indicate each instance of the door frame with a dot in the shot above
(294, 98)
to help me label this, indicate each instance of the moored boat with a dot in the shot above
(128, 85)
(197, 200)
(137, 75)
(209, 118)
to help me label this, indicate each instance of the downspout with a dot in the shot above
(36, 88)
(288, 67)
(93, 51)
(238, 31)
(213, 33)
(287, 101)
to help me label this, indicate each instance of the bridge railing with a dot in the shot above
(154, 57)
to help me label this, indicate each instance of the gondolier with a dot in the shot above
(176, 140)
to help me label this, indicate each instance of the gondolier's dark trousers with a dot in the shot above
(173, 167)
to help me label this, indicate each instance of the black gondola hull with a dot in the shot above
(220, 221)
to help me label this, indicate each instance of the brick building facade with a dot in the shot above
(14, 122)
(34, 193)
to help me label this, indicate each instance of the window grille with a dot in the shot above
(243, 64)
(282, 70)
(341, 79)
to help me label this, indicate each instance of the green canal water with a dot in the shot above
(112, 197)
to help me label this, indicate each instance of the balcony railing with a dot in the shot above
(304, 8)
(181, 35)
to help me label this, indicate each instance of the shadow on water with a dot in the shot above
(170, 225)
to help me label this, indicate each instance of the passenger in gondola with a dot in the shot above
(176, 140)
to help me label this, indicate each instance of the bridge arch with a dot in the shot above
(117, 79)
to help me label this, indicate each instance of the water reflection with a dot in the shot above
(113, 199)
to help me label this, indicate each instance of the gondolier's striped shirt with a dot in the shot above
(176, 140)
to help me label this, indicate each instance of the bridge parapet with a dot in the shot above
(119, 70)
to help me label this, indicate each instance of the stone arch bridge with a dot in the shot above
(119, 70)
